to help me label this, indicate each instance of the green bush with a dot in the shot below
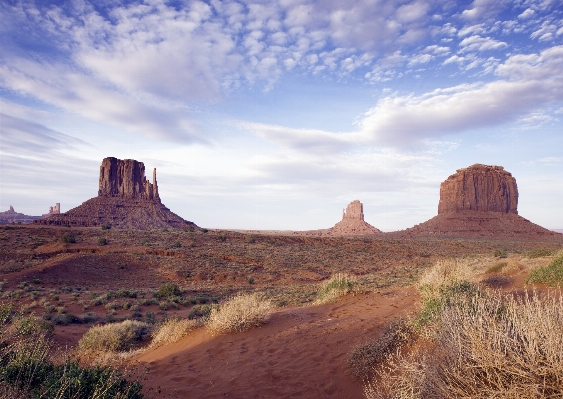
(65, 319)
(551, 274)
(177, 244)
(102, 241)
(433, 303)
(168, 290)
(106, 226)
(338, 285)
(199, 311)
(68, 238)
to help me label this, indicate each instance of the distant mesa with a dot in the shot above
(352, 222)
(11, 216)
(126, 200)
(53, 210)
(479, 201)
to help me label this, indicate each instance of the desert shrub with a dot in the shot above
(551, 274)
(31, 325)
(204, 230)
(65, 319)
(114, 337)
(222, 238)
(172, 330)
(90, 317)
(68, 238)
(365, 357)
(200, 311)
(239, 313)
(26, 370)
(497, 267)
(539, 253)
(102, 241)
(250, 239)
(482, 346)
(500, 253)
(338, 285)
(150, 318)
(177, 244)
(106, 226)
(168, 290)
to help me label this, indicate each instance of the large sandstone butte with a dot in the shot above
(126, 200)
(352, 222)
(479, 201)
(479, 188)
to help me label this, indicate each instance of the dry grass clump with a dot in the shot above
(173, 330)
(446, 272)
(338, 285)
(485, 346)
(240, 313)
(365, 357)
(115, 337)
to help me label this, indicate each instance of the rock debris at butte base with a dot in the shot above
(479, 201)
(126, 200)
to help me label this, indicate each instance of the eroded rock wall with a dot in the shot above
(126, 179)
(479, 188)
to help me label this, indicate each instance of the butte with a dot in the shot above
(352, 222)
(479, 201)
(126, 200)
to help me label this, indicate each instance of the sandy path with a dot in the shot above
(300, 353)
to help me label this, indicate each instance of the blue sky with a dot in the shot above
(277, 115)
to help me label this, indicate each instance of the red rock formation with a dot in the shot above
(352, 222)
(479, 201)
(125, 200)
(126, 179)
(11, 216)
(479, 188)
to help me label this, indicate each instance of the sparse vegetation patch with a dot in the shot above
(241, 312)
(551, 274)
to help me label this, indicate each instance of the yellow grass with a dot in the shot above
(482, 345)
(116, 337)
(173, 330)
(241, 312)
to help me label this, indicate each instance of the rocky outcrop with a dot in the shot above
(126, 200)
(11, 216)
(479, 201)
(479, 188)
(352, 222)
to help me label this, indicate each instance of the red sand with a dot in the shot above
(301, 352)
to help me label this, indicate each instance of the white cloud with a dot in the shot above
(478, 43)
(528, 13)
(525, 83)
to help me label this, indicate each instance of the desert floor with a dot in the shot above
(301, 352)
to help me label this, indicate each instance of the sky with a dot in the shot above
(276, 115)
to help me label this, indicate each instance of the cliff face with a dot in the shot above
(479, 188)
(126, 179)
